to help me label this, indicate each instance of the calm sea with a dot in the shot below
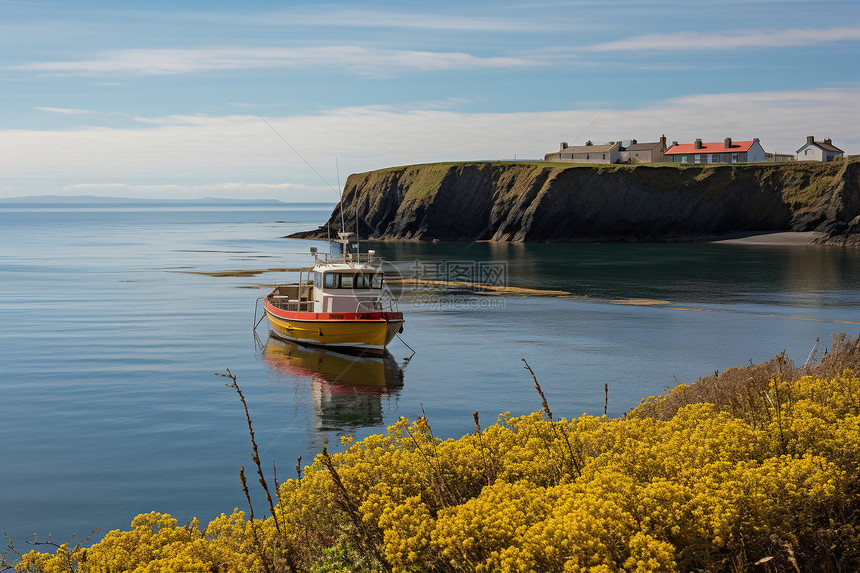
(114, 326)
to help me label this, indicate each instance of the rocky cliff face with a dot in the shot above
(524, 202)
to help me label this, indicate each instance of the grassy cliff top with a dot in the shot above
(791, 165)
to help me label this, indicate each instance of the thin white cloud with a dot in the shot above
(343, 16)
(75, 111)
(703, 41)
(64, 110)
(175, 190)
(227, 186)
(420, 21)
(356, 59)
(177, 155)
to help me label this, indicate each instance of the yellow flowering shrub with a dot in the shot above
(157, 544)
(408, 526)
(472, 536)
(709, 477)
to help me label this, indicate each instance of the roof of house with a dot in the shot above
(642, 146)
(719, 147)
(824, 146)
(589, 148)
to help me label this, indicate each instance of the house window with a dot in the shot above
(698, 158)
(715, 158)
(734, 157)
(604, 156)
(685, 159)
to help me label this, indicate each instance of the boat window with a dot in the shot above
(331, 280)
(356, 281)
(362, 281)
(368, 280)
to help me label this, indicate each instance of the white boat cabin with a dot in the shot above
(351, 284)
(343, 287)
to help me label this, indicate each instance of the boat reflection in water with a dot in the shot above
(347, 390)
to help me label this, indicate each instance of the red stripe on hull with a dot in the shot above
(333, 316)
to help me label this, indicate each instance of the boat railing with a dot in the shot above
(285, 303)
(374, 305)
(293, 298)
(354, 257)
(378, 305)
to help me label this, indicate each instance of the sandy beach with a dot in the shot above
(770, 238)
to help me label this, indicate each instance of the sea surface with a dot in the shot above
(117, 321)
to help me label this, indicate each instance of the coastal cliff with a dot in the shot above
(554, 202)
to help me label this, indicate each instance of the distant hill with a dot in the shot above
(93, 199)
(555, 202)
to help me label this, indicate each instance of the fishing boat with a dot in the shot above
(337, 303)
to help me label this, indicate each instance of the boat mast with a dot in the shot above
(343, 239)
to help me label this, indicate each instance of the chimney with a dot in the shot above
(663, 142)
(588, 142)
(674, 144)
(698, 144)
(727, 143)
(633, 142)
(563, 146)
(810, 139)
(828, 141)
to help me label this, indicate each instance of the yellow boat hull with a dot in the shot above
(369, 332)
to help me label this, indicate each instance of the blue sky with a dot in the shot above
(265, 99)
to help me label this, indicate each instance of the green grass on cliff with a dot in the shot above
(615, 167)
(432, 177)
(535, 163)
(802, 183)
(432, 174)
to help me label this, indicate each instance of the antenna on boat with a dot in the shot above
(342, 224)
(312, 169)
(339, 190)
(343, 239)
(294, 150)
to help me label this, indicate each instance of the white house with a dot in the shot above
(588, 153)
(643, 152)
(819, 150)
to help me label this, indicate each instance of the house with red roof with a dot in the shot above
(819, 150)
(726, 151)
